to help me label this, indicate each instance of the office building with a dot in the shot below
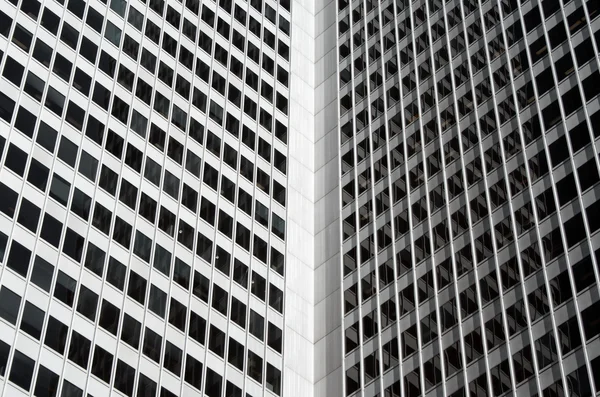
(143, 197)
(299, 198)
(469, 194)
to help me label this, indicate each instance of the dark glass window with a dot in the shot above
(157, 302)
(152, 345)
(257, 325)
(109, 317)
(102, 364)
(16, 159)
(236, 354)
(32, 320)
(172, 359)
(64, 290)
(181, 274)
(131, 331)
(116, 273)
(124, 378)
(177, 314)
(21, 370)
(10, 303)
(46, 384)
(13, 71)
(193, 372)
(94, 259)
(51, 230)
(19, 258)
(136, 288)
(216, 341)
(25, 121)
(29, 215)
(197, 329)
(42, 273)
(79, 350)
(56, 335)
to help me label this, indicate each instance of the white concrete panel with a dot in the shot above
(328, 354)
(302, 209)
(327, 278)
(327, 315)
(331, 385)
(327, 242)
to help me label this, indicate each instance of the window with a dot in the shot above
(255, 364)
(34, 86)
(238, 312)
(9, 305)
(79, 350)
(157, 302)
(88, 166)
(56, 335)
(21, 371)
(87, 303)
(109, 317)
(197, 329)
(257, 325)
(46, 383)
(213, 385)
(181, 274)
(16, 159)
(275, 298)
(152, 345)
(171, 185)
(71, 390)
(128, 194)
(32, 320)
(172, 359)
(116, 273)
(177, 315)
(18, 259)
(273, 379)
(216, 342)
(124, 378)
(13, 71)
(236, 354)
(67, 151)
(220, 299)
(25, 121)
(139, 123)
(136, 288)
(4, 352)
(142, 246)
(102, 364)
(59, 189)
(193, 372)
(64, 290)
(201, 286)
(274, 338)
(146, 386)
(29, 215)
(42, 273)
(130, 333)
(162, 260)
(47, 137)
(152, 171)
(122, 232)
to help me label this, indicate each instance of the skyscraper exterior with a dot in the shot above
(469, 197)
(310, 198)
(143, 197)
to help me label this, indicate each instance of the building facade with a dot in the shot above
(469, 197)
(143, 197)
(299, 198)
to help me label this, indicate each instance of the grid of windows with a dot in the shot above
(469, 193)
(143, 162)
